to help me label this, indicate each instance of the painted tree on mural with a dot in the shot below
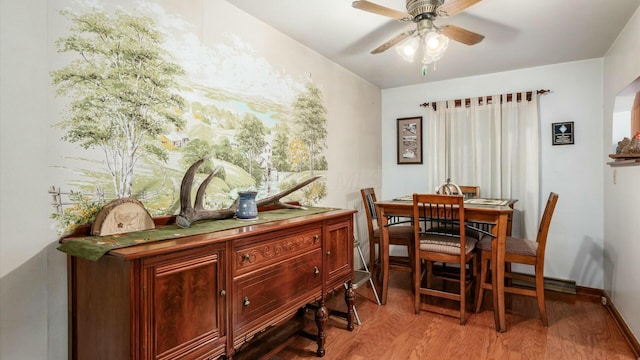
(251, 138)
(298, 154)
(311, 123)
(280, 156)
(122, 90)
(195, 150)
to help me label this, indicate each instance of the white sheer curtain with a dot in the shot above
(494, 146)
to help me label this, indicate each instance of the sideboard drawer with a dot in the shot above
(263, 298)
(251, 255)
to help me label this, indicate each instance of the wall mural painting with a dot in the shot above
(152, 99)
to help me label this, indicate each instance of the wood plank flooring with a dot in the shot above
(579, 328)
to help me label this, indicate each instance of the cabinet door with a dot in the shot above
(338, 252)
(183, 305)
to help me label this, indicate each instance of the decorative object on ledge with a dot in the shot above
(629, 146)
(190, 213)
(627, 152)
(562, 133)
(122, 216)
(410, 140)
(247, 209)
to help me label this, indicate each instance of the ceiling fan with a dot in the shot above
(434, 39)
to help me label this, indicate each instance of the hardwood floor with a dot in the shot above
(579, 328)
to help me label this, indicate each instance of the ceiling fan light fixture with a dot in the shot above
(435, 44)
(407, 49)
(434, 41)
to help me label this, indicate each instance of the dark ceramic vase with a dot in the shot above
(247, 208)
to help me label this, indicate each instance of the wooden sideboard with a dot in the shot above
(206, 296)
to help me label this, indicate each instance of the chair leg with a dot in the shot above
(463, 292)
(507, 283)
(540, 295)
(417, 280)
(484, 269)
(411, 261)
(372, 256)
(475, 282)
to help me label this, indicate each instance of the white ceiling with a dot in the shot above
(518, 34)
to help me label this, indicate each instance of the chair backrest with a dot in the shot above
(470, 192)
(368, 202)
(439, 215)
(543, 229)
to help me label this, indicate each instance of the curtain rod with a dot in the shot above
(467, 102)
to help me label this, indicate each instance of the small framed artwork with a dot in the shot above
(410, 140)
(563, 133)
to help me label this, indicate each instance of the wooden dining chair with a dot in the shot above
(400, 234)
(445, 243)
(520, 251)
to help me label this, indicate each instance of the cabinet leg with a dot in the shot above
(322, 315)
(349, 299)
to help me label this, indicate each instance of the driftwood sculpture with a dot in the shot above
(189, 214)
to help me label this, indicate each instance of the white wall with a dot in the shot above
(28, 262)
(574, 248)
(33, 297)
(622, 196)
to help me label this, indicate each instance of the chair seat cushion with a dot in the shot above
(398, 234)
(445, 244)
(513, 246)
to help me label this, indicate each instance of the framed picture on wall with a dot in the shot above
(410, 140)
(562, 133)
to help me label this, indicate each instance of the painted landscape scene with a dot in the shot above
(144, 114)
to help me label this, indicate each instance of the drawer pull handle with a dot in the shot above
(328, 253)
(316, 271)
(245, 301)
(223, 293)
(246, 257)
(316, 237)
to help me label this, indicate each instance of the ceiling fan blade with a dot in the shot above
(461, 35)
(381, 10)
(452, 7)
(384, 47)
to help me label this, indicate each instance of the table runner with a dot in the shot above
(94, 247)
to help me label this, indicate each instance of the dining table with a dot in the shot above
(497, 212)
